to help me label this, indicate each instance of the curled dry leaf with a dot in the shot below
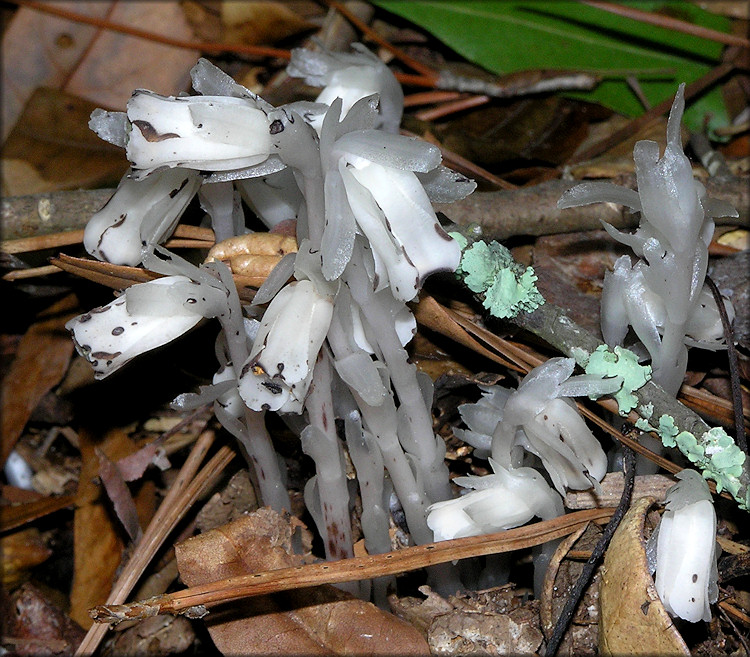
(33, 625)
(160, 635)
(260, 22)
(40, 364)
(313, 621)
(21, 551)
(632, 619)
(253, 255)
(236, 499)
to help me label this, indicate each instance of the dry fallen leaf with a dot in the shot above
(315, 621)
(51, 148)
(40, 50)
(21, 551)
(237, 498)
(160, 635)
(255, 23)
(494, 621)
(632, 619)
(97, 545)
(33, 625)
(40, 363)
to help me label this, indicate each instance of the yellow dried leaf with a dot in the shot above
(260, 22)
(253, 244)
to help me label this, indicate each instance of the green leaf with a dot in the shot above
(504, 37)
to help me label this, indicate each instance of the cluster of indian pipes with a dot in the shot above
(324, 337)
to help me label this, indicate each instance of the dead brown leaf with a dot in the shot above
(236, 499)
(33, 625)
(41, 361)
(51, 148)
(97, 544)
(314, 621)
(255, 23)
(99, 65)
(21, 551)
(632, 619)
(160, 635)
(16, 515)
(493, 622)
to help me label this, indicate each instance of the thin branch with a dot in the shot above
(734, 368)
(576, 593)
(186, 236)
(181, 496)
(418, 66)
(654, 113)
(203, 46)
(669, 23)
(349, 570)
(451, 107)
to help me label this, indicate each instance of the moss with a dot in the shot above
(624, 364)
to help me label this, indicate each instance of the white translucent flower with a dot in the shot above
(212, 133)
(508, 498)
(662, 296)
(141, 213)
(686, 571)
(351, 77)
(628, 300)
(551, 426)
(147, 316)
(278, 372)
(391, 208)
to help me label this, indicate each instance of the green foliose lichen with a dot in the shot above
(462, 241)
(509, 287)
(622, 363)
(667, 431)
(643, 425)
(646, 410)
(689, 446)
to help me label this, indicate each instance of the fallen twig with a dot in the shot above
(194, 599)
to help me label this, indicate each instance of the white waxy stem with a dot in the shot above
(212, 133)
(661, 297)
(110, 336)
(277, 374)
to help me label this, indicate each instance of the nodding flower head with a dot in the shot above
(211, 133)
(508, 498)
(540, 417)
(374, 175)
(351, 77)
(147, 316)
(278, 372)
(140, 214)
(686, 570)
